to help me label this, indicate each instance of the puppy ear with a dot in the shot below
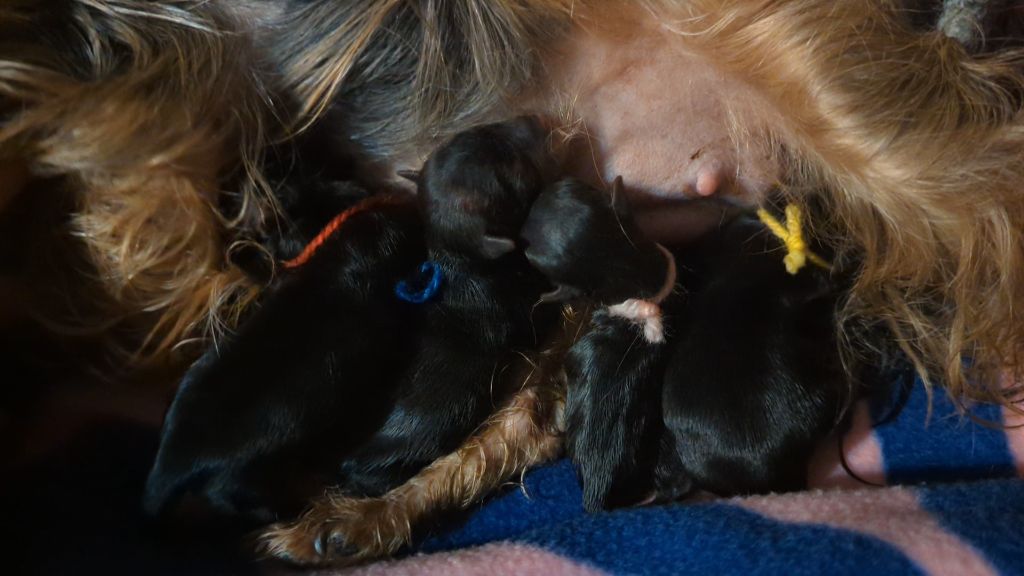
(562, 293)
(410, 175)
(494, 247)
(619, 203)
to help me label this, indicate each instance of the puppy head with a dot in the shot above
(586, 242)
(476, 190)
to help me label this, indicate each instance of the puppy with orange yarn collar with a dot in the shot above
(357, 370)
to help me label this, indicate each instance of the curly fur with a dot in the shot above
(155, 117)
(524, 433)
(409, 74)
(920, 148)
(151, 111)
(918, 143)
(147, 111)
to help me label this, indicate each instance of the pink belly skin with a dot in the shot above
(664, 119)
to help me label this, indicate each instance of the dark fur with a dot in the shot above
(303, 382)
(474, 193)
(314, 176)
(754, 378)
(334, 370)
(613, 416)
(688, 414)
(424, 71)
(587, 244)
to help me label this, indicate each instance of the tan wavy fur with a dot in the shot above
(153, 110)
(147, 111)
(916, 143)
(921, 150)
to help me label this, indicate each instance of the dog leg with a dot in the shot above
(523, 434)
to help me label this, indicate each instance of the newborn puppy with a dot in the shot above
(353, 367)
(573, 227)
(304, 380)
(476, 191)
(754, 378)
(744, 379)
(588, 245)
(474, 194)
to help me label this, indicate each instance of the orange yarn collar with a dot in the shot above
(331, 227)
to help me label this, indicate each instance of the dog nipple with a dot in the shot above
(708, 182)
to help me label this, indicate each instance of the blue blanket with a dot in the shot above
(952, 503)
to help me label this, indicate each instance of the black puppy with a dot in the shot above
(474, 194)
(302, 382)
(746, 382)
(337, 367)
(315, 176)
(586, 242)
(754, 378)
(588, 245)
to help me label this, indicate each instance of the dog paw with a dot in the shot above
(338, 530)
(308, 543)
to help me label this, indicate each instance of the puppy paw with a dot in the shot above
(339, 530)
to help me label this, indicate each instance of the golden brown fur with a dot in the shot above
(918, 143)
(147, 115)
(146, 112)
(523, 434)
(919, 146)
(520, 436)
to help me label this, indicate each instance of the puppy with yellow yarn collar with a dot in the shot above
(719, 373)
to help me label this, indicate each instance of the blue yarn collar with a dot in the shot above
(423, 287)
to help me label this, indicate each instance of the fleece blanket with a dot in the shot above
(904, 491)
(918, 495)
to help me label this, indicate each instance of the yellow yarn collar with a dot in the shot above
(797, 252)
